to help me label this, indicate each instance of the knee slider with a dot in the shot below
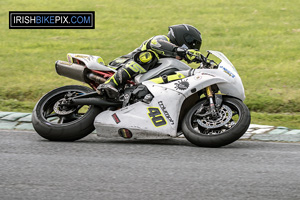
(146, 59)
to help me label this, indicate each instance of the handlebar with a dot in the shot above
(198, 58)
(205, 62)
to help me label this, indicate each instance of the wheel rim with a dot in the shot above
(228, 116)
(54, 113)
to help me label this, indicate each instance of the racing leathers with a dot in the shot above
(140, 60)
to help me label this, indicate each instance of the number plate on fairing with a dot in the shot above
(156, 117)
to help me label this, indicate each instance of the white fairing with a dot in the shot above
(136, 117)
(234, 86)
(167, 102)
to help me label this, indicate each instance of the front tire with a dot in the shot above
(60, 123)
(234, 120)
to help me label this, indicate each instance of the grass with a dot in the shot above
(290, 120)
(261, 38)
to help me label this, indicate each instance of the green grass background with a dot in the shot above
(261, 38)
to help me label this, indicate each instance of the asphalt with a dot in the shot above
(22, 121)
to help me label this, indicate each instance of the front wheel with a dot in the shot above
(55, 121)
(232, 121)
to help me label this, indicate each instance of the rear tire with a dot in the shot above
(234, 126)
(60, 123)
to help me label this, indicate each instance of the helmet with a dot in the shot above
(184, 34)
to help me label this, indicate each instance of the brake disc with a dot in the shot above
(63, 110)
(225, 115)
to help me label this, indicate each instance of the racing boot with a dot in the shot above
(110, 88)
(125, 73)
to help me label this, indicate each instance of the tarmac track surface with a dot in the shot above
(96, 168)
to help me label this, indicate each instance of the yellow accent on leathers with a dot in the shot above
(135, 67)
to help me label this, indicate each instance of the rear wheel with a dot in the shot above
(54, 121)
(232, 121)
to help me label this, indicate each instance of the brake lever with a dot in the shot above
(209, 64)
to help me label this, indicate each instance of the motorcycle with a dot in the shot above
(204, 104)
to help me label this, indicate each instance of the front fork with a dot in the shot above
(210, 96)
(215, 102)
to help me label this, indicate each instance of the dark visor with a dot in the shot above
(192, 42)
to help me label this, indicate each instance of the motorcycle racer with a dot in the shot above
(183, 41)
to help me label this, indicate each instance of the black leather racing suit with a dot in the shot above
(140, 60)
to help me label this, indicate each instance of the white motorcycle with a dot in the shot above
(204, 104)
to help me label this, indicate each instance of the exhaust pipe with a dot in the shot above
(97, 79)
(72, 70)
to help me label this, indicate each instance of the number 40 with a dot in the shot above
(156, 117)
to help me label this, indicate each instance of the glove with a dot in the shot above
(193, 55)
(181, 52)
